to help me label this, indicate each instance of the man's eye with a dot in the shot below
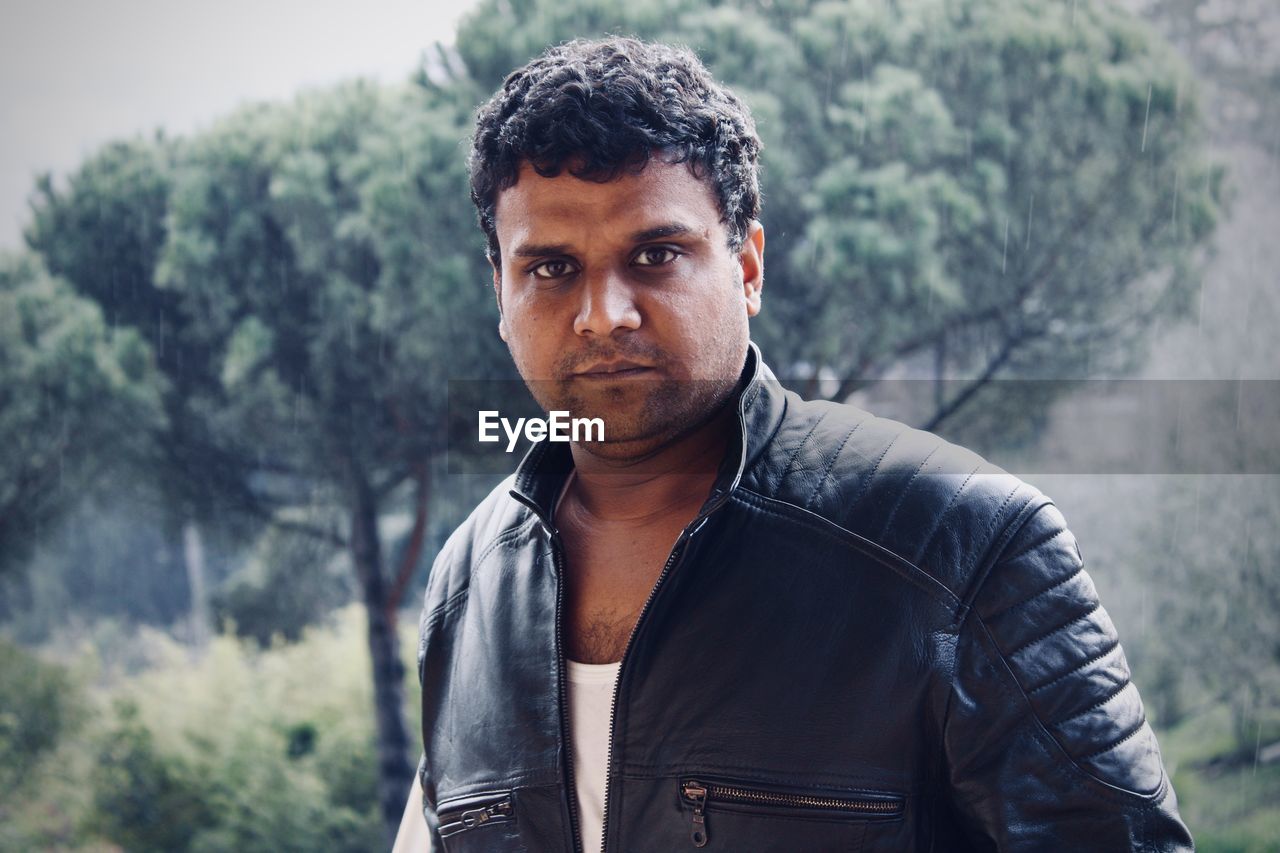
(551, 270)
(654, 255)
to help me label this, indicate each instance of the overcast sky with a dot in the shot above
(77, 73)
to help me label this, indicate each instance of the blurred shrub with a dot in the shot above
(246, 748)
(240, 747)
(1216, 596)
(290, 581)
(143, 799)
(39, 705)
(43, 715)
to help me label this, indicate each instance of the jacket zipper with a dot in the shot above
(575, 833)
(461, 820)
(700, 794)
(672, 559)
(677, 551)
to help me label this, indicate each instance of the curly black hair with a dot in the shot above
(602, 106)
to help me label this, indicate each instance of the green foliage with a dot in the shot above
(68, 386)
(45, 716)
(1230, 806)
(144, 800)
(39, 706)
(281, 739)
(288, 582)
(103, 233)
(317, 248)
(1218, 598)
(242, 748)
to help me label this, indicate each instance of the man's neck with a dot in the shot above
(674, 479)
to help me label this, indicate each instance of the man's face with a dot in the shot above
(622, 300)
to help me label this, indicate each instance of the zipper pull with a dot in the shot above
(698, 795)
(477, 817)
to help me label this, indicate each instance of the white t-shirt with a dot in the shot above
(413, 837)
(590, 701)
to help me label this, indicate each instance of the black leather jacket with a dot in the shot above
(868, 639)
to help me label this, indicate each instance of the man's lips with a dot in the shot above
(613, 370)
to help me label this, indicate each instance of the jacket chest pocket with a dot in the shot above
(733, 815)
(479, 822)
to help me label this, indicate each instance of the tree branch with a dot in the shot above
(417, 536)
(288, 525)
(1011, 303)
(958, 402)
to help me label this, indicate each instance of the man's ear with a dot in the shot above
(751, 258)
(497, 293)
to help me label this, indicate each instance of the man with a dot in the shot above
(742, 622)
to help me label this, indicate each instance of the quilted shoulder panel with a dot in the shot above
(935, 504)
(1043, 614)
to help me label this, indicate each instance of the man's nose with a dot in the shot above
(608, 304)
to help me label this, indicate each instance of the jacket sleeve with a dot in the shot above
(1047, 743)
(426, 783)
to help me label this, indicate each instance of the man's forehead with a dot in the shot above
(532, 242)
(662, 196)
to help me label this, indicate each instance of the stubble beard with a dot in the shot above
(639, 416)
(665, 411)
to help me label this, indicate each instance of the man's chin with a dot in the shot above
(632, 440)
(630, 412)
(626, 450)
(639, 418)
(625, 430)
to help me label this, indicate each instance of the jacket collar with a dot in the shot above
(761, 404)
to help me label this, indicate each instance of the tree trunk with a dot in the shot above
(193, 558)
(395, 775)
(417, 538)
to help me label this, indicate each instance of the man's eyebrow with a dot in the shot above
(672, 229)
(542, 250)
